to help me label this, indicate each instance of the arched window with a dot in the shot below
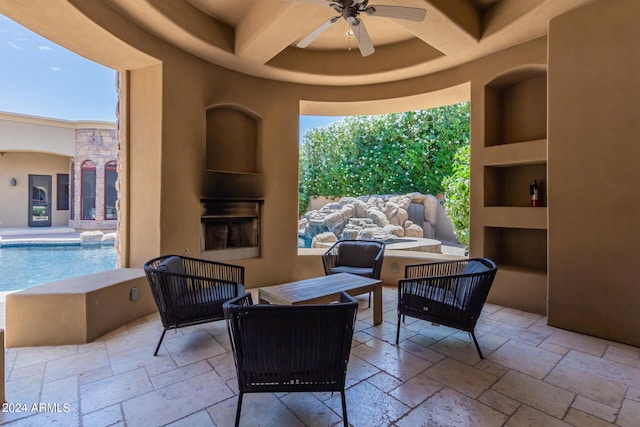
(88, 190)
(110, 193)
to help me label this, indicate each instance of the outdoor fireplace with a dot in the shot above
(230, 216)
(230, 224)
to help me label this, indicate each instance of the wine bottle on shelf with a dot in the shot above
(534, 191)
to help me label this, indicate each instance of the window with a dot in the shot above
(110, 192)
(72, 213)
(88, 190)
(62, 186)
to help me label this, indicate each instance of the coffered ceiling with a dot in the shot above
(259, 37)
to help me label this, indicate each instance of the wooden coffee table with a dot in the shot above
(324, 289)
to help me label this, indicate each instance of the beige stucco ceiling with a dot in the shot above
(259, 37)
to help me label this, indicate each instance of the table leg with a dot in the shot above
(377, 303)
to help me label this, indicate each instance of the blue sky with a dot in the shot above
(40, 78)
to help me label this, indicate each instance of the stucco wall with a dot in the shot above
(593, 173)
(14, 201)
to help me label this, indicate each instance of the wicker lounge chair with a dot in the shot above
(361, 257)
(190, 291)
(450, 293)
(298, 348)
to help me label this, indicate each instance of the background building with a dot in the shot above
(57, 173)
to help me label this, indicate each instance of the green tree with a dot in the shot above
(457, 194)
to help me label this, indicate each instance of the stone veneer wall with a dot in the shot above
(101, 147)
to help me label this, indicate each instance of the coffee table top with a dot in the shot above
(317, 289)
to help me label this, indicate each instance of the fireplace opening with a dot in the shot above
(228, 234)
(231, 229)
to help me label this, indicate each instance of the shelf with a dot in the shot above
(516, 108)
(509, 185)
(517, 153)
(516, 217)
(523, 248)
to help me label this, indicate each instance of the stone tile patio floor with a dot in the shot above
(533, 375)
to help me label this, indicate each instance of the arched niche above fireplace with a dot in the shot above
(232, 140)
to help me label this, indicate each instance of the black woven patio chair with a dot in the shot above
(190, 291)
(449, 293)
(361, 257)
(298, 348)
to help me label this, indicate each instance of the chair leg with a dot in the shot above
(344, 409)
(160, 342)
(238, 408)
(369, 299)
(398, 331)
(475, 341)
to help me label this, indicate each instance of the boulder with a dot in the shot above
(430, 204)
(378, 217)
(108, 239)
(413, 230)
(394, 230)
(91, 237)
(326, 238)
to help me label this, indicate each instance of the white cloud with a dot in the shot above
(45, 48)
(56, 69)
(13, 45)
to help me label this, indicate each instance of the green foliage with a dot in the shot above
(393, 153)
(457, 194)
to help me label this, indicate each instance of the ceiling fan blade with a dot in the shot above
(399, 12)
(362, 36)
(315, 33)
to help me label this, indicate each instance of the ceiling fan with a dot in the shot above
(350, 10)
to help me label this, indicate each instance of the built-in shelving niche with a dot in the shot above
(509, 185)
(232, 140)
(521, 248)
(516, 107)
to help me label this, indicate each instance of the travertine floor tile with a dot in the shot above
(629, 414)
(369, 406)
(592, 407)
(535, 393)
(575, 341)
(499, 402)
(527, 416)
(311, 411)
(450, 408)
(416, 390)
(391, 359)
(529, 360)
(624, 375)
(461, 377)
(199, 419)
(589, 385)
(176, 401)
(111, 390)
(581, 419)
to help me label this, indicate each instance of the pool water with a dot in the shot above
(25, 267)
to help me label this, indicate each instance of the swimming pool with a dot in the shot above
(27, 266)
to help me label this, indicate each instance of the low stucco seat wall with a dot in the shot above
(76, 310)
